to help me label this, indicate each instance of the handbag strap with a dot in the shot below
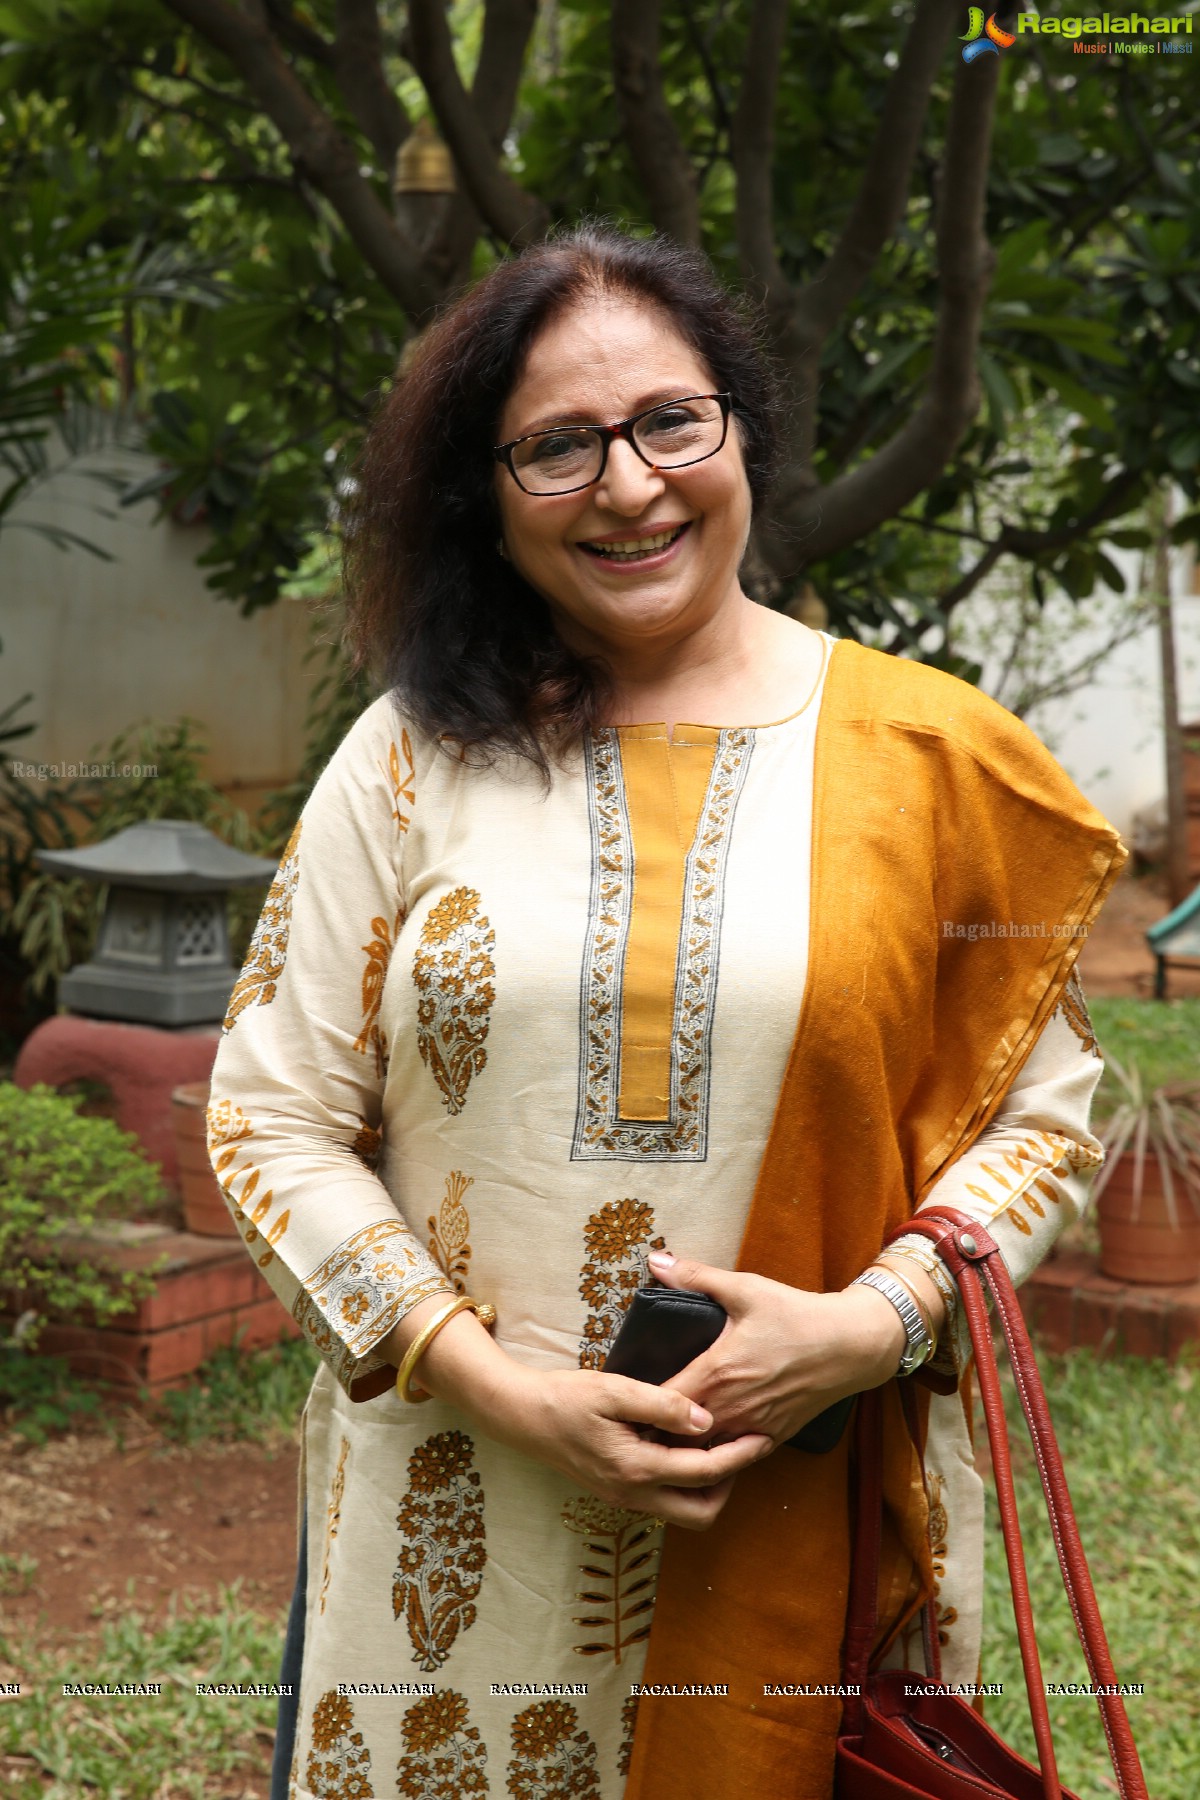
(973, 1258)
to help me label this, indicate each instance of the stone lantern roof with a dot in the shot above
(171, 855)
(162, 955)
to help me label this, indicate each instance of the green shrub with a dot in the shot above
(64, 1175)
(40, 1398)
(256, 1395)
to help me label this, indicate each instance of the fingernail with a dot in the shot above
(660, 1259)
(699, 1419)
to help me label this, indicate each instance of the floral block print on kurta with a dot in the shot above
(504, 1040)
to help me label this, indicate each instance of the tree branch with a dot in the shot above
(328, 160)
(663, 166)
(883, 191)
(358, 66)
(703, 49)
(753, 154)
(801, 327)
(508, 210)
(226, 96)
(1018, 540)
(819, 521)
(176, 109)
(295, 33)
(507, 28)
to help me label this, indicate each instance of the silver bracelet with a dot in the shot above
(918, 1346)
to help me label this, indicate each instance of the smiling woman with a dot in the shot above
(462, 534)
(638, 561)
(614, 934)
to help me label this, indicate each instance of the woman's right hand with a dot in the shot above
(602, 1431)
(593, 1428)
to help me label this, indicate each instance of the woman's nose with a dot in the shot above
(627, 484)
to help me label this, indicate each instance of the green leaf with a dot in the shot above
(1059, 151)
(1075, 395)
(889, 365)
(1002, 397)
(1110, 574)
(1183, 453)
(1171, 175)
(1087, 335)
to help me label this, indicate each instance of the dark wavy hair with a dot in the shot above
(466, 644)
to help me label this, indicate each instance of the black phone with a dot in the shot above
(667, 1328)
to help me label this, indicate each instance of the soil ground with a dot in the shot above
(1116, 958)
(100, 1530)
(128, 1528)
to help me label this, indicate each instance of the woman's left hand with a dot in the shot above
(784, 1354)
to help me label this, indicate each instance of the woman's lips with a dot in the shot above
(638, 550)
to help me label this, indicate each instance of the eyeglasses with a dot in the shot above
(672, 435)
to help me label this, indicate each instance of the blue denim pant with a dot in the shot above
(289, 1675)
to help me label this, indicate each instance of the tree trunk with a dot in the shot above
(1178, 878)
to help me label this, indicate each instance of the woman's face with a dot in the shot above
(601, 362)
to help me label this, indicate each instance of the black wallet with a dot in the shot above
(666, 1328)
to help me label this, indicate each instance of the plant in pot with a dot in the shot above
(1147, 1196)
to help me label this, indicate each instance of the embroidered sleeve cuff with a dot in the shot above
(359, 1292)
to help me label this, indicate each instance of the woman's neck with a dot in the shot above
(759, 673)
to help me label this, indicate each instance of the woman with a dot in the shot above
(522, 1019)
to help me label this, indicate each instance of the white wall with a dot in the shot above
(105, 645)
(1108, 734)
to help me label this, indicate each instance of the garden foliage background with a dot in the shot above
(199, 227)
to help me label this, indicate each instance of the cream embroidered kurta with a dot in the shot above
(498, 1039)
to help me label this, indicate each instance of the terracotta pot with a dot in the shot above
(204, 1208)
(1144, 1244)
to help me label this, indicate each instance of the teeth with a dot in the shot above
(631, 548)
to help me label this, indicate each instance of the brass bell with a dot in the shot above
(423, 163)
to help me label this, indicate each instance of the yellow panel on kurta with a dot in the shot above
(665, 785)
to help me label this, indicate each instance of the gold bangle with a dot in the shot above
(461, 1303)
(935, 1268)
(891, 1269)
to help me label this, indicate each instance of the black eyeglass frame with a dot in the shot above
(503, 453)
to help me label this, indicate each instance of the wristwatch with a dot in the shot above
(919, 1346)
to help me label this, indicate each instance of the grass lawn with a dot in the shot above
(1161, 1037)
(175, 1745)
(1129, 1431)
(1130, 1436)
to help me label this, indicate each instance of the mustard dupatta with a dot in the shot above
(955, 872)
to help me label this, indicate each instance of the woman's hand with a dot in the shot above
(593, 1428)
(601, 1431)
(785, 1354)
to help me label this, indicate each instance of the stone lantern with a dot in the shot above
(162, 955)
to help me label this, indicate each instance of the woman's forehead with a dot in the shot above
(603, 353)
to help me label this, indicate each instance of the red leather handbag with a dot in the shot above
(934, 1743)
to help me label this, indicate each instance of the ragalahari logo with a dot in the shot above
(982, 39)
